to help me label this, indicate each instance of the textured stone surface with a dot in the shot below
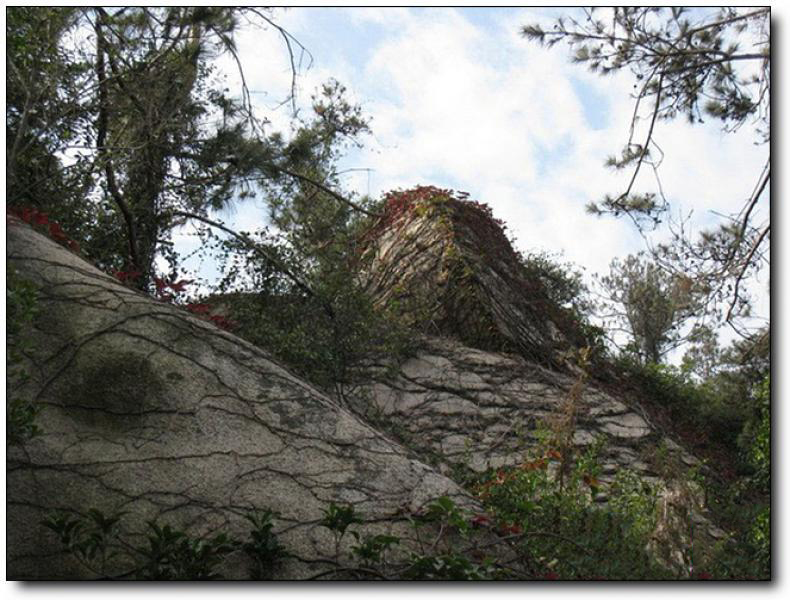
(150, 410)
(482, 409)
(449, 265)
(456, 405)
(476, 395)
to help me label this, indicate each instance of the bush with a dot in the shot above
(21, 307)
(96, 540)
(712, 410)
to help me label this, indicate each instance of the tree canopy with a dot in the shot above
(123, 112)
(694, 63)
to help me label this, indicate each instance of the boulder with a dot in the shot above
(150, 412)
(445, 261)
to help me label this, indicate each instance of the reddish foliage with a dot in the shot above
(160, 285)
(222, 322)
(486, 236)
(551, 576)
(510, 529)
(198, 308)
(533, 465)
(178, 286)
(35, 217)
(480, 521)
(125, 276)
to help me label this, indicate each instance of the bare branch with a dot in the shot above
(746, 264)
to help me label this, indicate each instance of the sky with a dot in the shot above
(458, 99)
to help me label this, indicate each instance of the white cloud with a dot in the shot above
(482, 109)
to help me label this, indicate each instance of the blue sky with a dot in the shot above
(457, 98)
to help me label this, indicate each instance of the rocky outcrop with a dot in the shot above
(483, 409)
(154, 413)
(149, 411)
(447, 262)
(464, 408)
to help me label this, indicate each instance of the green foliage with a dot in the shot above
(21, 308)
(439, 561)
(89, 538)
(649, 304)
(173, 555)
(148, 161)
(371, 549)
(564, 531)
(760, 537)
(755, 488)
(339, 518)
(452, 567)
(45, 112)
(96, 540)
(759, 452)
(263, 548)
(726, 417)
(699, 410)
(325, 326)
(563, 282)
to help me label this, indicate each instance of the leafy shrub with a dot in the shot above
(21, 308)
(96, 539)
(706, 409)
(263, 548)
(325, 348)
(564, 531)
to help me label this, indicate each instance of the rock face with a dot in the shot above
(470, 409)
(482, 409)
(149, 410)
(447, 262)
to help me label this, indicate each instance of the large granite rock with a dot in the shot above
(463, 408)
(447, 262)
(497, 366)
(149, 410)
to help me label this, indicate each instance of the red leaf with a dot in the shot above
(222, 322)
(160, 285)
(126, 275)
(178, 286)
(56, 232)
(480, 520)
(512, 529)
(198, 308)
(41, 218)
